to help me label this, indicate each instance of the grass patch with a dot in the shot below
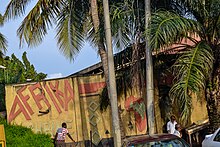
(19, 136)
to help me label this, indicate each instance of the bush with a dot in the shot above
(19, 136)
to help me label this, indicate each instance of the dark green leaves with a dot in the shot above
(70, 28)
(167, 28)
(191, 71)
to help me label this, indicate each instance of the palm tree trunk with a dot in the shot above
(112, 83)
(213, 102)
(101, 48)
(149, 75)
(104, 58)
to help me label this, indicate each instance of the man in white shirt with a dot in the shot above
(171, 125)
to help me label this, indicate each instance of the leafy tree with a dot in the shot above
(198, 66)
(16, 71)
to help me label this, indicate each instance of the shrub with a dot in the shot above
(19, 136)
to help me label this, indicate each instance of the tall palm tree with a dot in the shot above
(75, 22)
(111, 71)
(149, 73)
(3, 41)
(199, 64)
(129, 16)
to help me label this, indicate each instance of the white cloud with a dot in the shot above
(54, 76)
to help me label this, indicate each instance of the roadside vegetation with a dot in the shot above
(24, 137)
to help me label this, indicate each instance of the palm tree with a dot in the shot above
(3, 41)
(128, 14)
(149, 74)
(198, 66)
(76, 22)
(111, 71)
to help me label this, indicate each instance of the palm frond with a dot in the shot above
(191, 71)
(38, 21)
(119, 24)
(70, 29)
(167, 28)
(91, 35)
(1, 20)
(16, 8)
(3, 43)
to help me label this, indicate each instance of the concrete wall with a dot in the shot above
(43, 106)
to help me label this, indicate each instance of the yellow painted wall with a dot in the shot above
(72, 100)
(76, 102)
(2, 136)
(199, 109)
(24, 101)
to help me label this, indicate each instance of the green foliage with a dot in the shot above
(3, 41)
(179, 28)
(19, 136)
(16, 71)
(191, 71)
(199, 60)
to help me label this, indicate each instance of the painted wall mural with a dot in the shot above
(59, 98)
(137, 106)
(43, 106)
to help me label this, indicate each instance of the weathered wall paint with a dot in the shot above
(43, 106)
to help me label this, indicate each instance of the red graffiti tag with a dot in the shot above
(25, 99)
(68, 94)
(58, 94)
(52, 98)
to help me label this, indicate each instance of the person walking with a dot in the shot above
(61, 135)
(171, 124)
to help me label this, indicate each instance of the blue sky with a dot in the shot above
(46, 57)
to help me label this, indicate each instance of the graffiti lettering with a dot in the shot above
(21, 109)
(52, 98)
(24, 99)
(57, 92)
(60, 97)
(37, 93)
(50, 127)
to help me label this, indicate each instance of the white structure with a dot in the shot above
(2, 67)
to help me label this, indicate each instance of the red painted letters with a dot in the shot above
(59, 97)
(21, 109)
